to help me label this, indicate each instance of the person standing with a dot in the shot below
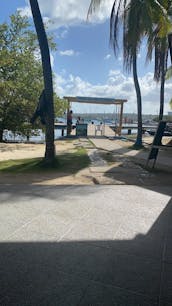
(69, 122)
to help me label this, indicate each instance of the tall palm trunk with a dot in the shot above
(1, 135)
(163, 73)
(170, 46)
(139, 101)
(48, 84)
(161, 108)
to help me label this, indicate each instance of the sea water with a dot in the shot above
(37, 137)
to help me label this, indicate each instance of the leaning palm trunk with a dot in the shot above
(139, 102)
(161, 108)
(164, 57)
(170, 46)
(1, 135)
(48, 84)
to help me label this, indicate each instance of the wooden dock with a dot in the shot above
(100, 130)
(130, 128)
(92, 130)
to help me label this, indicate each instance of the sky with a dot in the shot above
(84, 63)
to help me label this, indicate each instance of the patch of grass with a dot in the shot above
(135, 147)
(70, 162)
(131, 137)
(108, 156)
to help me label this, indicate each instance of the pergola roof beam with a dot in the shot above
(95, 100)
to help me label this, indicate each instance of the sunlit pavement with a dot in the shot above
(85, 245)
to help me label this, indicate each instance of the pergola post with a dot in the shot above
(68, 110)
(121, 117)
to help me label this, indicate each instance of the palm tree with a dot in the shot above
(48, 83)
(160, 40)
(123, 11)
(136, 17)
(161, 57)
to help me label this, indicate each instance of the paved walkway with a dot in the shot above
(85, 245)
(164, 159)
(128, 165)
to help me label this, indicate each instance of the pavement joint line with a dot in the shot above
(145, 257)
(68, 231)
(27, 223)
(38, 232)
(90, 279)
(122, 222)
(83, 295)
(86, 213)
(86, 278)
(74, 225)
(124, 289)
(33, 219)
(24, 225)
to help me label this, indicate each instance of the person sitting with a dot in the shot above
(78, 120)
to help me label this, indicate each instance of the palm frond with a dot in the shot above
(114, 25)
(95, 4)
(116, 19)
(135, 29)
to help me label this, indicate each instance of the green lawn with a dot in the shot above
(68, 162)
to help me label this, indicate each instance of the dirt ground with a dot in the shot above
(124, 167)
(12, 151)
(24, 150)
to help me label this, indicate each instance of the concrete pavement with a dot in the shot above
(85, 245)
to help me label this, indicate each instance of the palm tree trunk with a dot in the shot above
(163, 73)
(1, 135)
(170, 46)
(161, 109)
(48, 84)
(139, 102)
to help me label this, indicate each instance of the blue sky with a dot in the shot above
(84, 63)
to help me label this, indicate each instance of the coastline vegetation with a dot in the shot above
(21, 80)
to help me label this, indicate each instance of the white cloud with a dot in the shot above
(108, 56)
(62, 34)
(117, 85)
(120, 58)
(25, 11)
(64, 13)
(68, 53)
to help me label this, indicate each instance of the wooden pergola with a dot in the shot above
(100, 101)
